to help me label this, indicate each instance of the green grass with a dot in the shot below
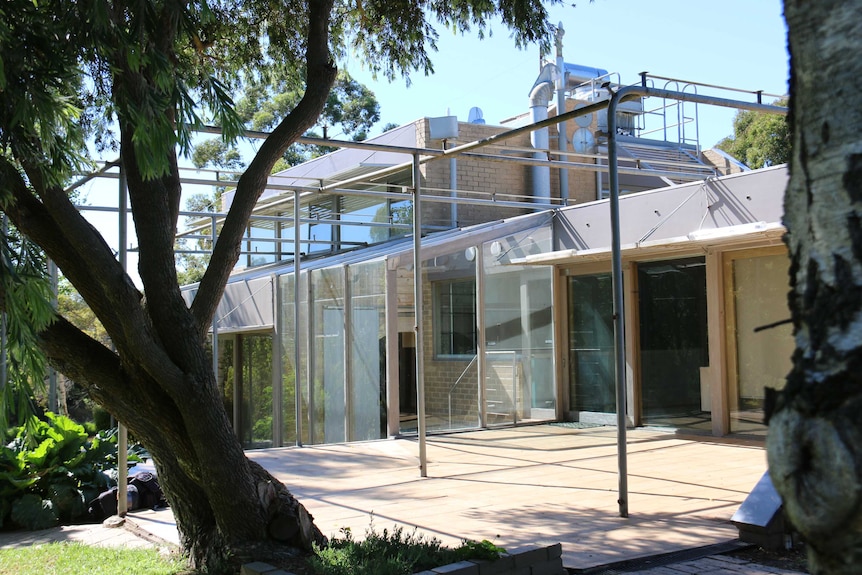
(387, 552)
(79, 559)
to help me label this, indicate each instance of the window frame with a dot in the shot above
(445, 312)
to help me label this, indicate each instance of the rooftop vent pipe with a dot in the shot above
(540, 96)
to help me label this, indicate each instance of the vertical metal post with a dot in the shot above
(619, 313)
(53, 399)
(347, 319)
(277, 367)
(297, 371)
(122, 432)
(561, 109)
(417, 310)
(4, 373)
(453, 186)
(481, 344)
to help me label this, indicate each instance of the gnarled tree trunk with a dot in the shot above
(815, 428)
(158, 380)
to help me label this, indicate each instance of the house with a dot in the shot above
(514, 290)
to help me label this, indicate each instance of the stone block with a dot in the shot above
(257, 568)
(459, 568)
(502, 566)
(527, 557)
(554, 567)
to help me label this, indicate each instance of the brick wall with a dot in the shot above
(493, 177)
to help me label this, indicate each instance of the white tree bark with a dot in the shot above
(815, 436)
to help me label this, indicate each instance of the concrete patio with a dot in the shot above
(531, 485)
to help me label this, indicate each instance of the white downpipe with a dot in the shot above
(540, 96)
(561, 109)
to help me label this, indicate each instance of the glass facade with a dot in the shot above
(591, 344)
(519, 331)
(328, 401)
(289, 363)
(451, 367)
(673, 342)
(367, 366)
(761, 358)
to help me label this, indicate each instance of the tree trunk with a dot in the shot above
(815, 437)
(228, 509)
(158, 380)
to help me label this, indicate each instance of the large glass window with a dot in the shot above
(455, 317)
(451, 367)
(328, 401)
(760, 358)
(519, 369)
(673, 343)
(245, 379)
(290, 364)
(256, 391)
(591, 344)
(367, 369)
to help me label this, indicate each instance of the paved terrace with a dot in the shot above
(531, 485)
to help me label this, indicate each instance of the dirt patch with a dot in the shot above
(788, 559)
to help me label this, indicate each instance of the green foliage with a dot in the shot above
(51, 469)
(101, 418)
(394, 553)
(759, 139)
(33, 512)
(26, 294)
(351, 108)
(80, 559)
(400, 213)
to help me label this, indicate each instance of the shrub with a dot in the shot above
(101, 417)
(51, 470)
(393, 553)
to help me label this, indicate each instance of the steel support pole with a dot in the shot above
(122, 432)
(4, 370)
(619, 314)
(53, 396)
(297, 257)
(417, 310)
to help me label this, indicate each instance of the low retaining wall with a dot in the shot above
(527, 561)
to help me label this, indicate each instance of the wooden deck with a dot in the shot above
(531, 485)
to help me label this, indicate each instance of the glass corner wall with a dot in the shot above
(246, 383)
(342, 354)
(450, 341)
(518, 331)
(367, 352)
(290, 363)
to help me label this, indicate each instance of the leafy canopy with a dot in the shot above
(69, 70)
(758, 139)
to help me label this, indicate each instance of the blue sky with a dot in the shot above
(735, 43)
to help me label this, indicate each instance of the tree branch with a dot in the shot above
(321, 73)
(81, 252)
(71, 242)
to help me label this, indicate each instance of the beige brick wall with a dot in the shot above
(484, 177)
(720, 162)
(442, 373)
(490, 177)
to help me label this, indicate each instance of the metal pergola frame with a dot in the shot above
(420, 156)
